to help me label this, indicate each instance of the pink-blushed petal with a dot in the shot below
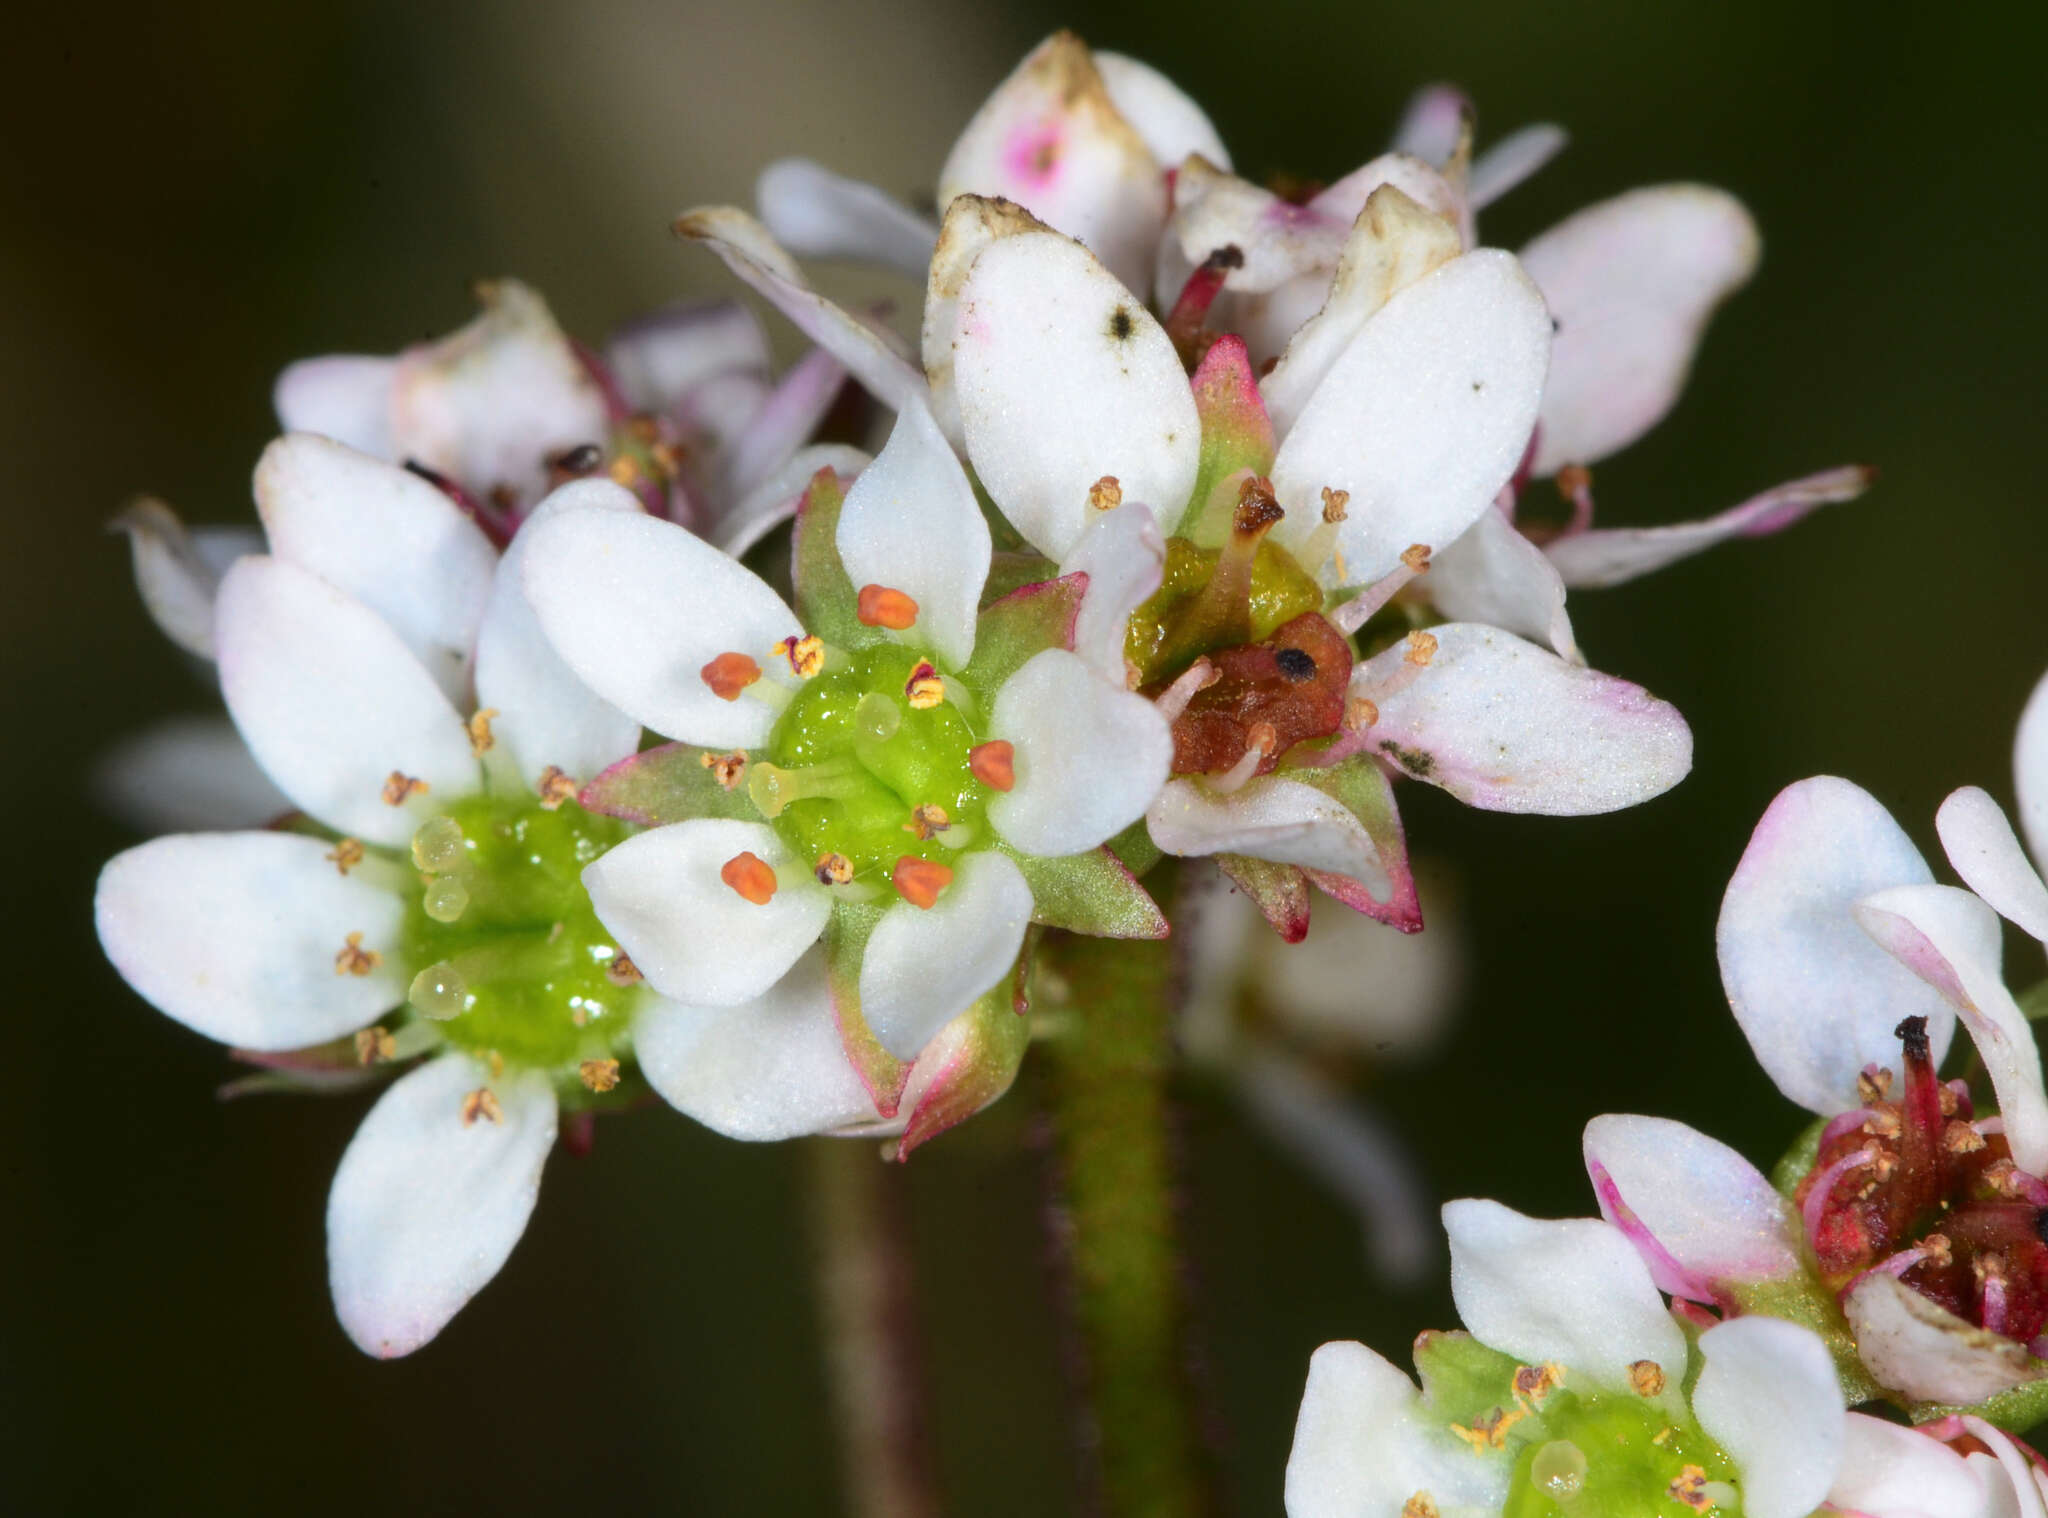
(1701, 1216)
(1089, 756)
(1894, 1471)
(816, 213)
(695, 938)
(1270, 818)
(924, 966)
(1051, 139)
(1509, 727)
(1768, 1396)
(1567, 1289)
(1431, 186)
(657, 360)
(911, 523)
(637, 607)
(1394, 241)
(775, 500)
(1124, 556)
(972, 222)
(1511, 160)
(1631, 282)
(332, 703)
(1364, 1444)
(2030, 769)
(1951, 940)
(1170, 122)
(187, 774)
(384, 536)
(1276, 240)
(1816, 998)
(236, 936)
(964, 1068)
(1434, 123)
(546, 715)
(771, 1068)
(1615, 555)
(430, 1198)
(786, 419)
(1423, 417)
(344, 396)
(1495, 575)
(1062, 378)
(1984, 850)
(1913, 1346)
(178, 569)
(746, 248)
(2017, 1468)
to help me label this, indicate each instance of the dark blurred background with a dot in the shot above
(194, 196)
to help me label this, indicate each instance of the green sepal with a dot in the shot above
(1091, 893)
(1010, 571)
(846, 941)
(826, 600)
(1462, 1379)
(1279, 891)
(1361, 786)
(1134, 846)
(663, 785)
(2034, 1001)
(2018, 1410)
(1003, 537)
(976, 1058)
(1804, 1299)
(1027, 621)
(1797, 1162)
(1236, 434)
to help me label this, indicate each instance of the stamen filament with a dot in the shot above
(1360, 609)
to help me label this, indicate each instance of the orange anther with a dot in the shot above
(729, 674)
(749, 875)
(879, 606)
(919, 881)
(994, 764)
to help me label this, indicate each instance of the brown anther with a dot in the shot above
(926, 820)
(2003, 1177)
(480, 739)
(1961, 1138)
(1359, 714)
(399, 787)
(1106, 494)
(1948, 1101)
(622, 971)
(599, 1075)
(806, 654)
(1690, 1487)
(1416, 556)
(1941, 1254)
(1873, 1086)
(354, 959)
(1535, 1382)
(925, 688)
(1574, 479)
(1491, 1431)
(833, 869)
(729, 674)
(624, 471)
(880, 606)
(1421, 648)
(727, 769)
(1334, 504)
(1421, 1505)
(994, 764)
(1989, 1266)
(554, 787)
(575, 462)
(374, 1044)
(919, 881)
(346, 854)
(1262, 736)
(749, 876)
(1647, 1377)
(1883, 1122)
(481, 1102)
(1258, 508)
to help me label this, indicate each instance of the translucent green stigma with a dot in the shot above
(869, 763)
(1613, 1455)
(516, 963)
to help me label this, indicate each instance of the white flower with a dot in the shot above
(1961, 1467)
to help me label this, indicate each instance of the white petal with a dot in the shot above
(911, 523)
(1951, 940)
(771, 1068)
(1124, 557)
(695, 938)
(816, 213)
(1424, 416)
(1898, 1472)
(1984, 850)
(658, 360)
(747, 249)
(1913, 1346)
(637, 607)
(1495, 575)
(1276, 240)
(1063, 377)
(1510, 727)
(1631, 282)
(1428, 185)
(1051, 139)
(925, 966)
(1273, 818)
(344, 396)
(235, 935)
(385, 537)
(1433, 123)
(2030, 769)
(1701, 1215)
(1364, 1444)
(1768, 1396)
(775, 500)
(1511, 160)
(1816, 998)
(1615, 555)
(187, 774)
(972, 222)
(1090, 756)
(331, 702)
(545, 714)
(1568, 1289)
(790, 414)
(173, 573)
(425, 1207)
(1171, 124)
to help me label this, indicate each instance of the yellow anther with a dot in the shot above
(1421, 648)
(925, 688)
(1106, 494)
(1491, 1431)
(1535, 1382)
(375, 1044)
(354, 959)
(599, 1075)
(481, 1103)
(622, 971)
(1961, 1138)
(480, 739)
(346, 855)
(926, 820)
(1647, 1377)
(1690, 1487)
(1416, 556)
(806, 655)
(1360, 714)
(400, 787)
(834, 869)
(1421, 1505)
(1334, 504)
(727, 769)
(554, 787)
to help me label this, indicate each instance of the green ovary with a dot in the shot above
(513, 960)
(851, 758)
(1617, 1456)
(1281, 590)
